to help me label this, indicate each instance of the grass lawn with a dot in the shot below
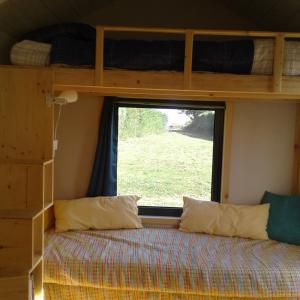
(161, 168)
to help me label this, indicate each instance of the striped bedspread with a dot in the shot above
(164, 263)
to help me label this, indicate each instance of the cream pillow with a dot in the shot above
(97, 213)
(246, 221)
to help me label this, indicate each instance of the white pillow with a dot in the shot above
(97, 213)
(246, 221)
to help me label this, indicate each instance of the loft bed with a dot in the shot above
(185, 81)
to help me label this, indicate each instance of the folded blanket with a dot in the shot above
(264, 57)
(224, 57)
(30, 53)
(72, 51)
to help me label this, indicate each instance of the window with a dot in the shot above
(167, 149)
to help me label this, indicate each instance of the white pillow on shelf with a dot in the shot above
(117, 212)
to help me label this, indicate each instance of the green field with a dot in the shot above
(163, 167)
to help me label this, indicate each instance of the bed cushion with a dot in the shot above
(166, 261)
(247, 221)
(284, 220)
(30, 53)
(97, 213)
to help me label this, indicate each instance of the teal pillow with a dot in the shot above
(284, 218)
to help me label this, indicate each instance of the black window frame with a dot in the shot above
(219, 108)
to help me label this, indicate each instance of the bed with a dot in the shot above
(73, 44)
(165, 263)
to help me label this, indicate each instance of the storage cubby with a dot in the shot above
(24, 250)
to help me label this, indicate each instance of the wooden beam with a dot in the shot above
(198, 31)
(143, 29)
(99, 61)
(227, 152)
(188, 59)
(278, 62)
(170, 80)
(296, 163)
(177, 93)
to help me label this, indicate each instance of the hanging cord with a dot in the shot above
(57, 121)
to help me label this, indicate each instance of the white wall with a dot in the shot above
(262, 150)
(261, 158)
(77, 134)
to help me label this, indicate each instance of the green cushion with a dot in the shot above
(284, 218)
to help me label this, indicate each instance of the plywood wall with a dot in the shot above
(262, 149)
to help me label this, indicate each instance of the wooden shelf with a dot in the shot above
(36, 275)
(24, 250)
(26, 186)
(19, 213)
(162, 93)
(26, 161)
(37, 238)
(14, 287)
(48, 184)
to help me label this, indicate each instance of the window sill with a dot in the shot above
(158, 220)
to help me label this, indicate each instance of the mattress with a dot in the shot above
(165, 263)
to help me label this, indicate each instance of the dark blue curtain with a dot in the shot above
(103, 181)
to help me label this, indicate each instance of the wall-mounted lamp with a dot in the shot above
(65, 97)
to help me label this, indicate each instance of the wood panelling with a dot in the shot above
(14, 287)
(227, 152)
(296, 164)
(16, 249)
(25, 119)
(278, 62)
(49, 219)
(99, 56)
(48, 184)
(26, 186)
(188, 59)
(174, 80)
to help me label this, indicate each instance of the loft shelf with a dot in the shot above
(157, 93)
(186, 84)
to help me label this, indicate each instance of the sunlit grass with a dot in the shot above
(161, 168)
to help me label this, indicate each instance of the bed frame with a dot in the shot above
(187, 84)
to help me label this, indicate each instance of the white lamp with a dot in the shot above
(65, 97)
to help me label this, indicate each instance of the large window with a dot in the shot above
(167, 150)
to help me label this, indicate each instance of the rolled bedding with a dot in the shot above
(30, 53)
(264, 56)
